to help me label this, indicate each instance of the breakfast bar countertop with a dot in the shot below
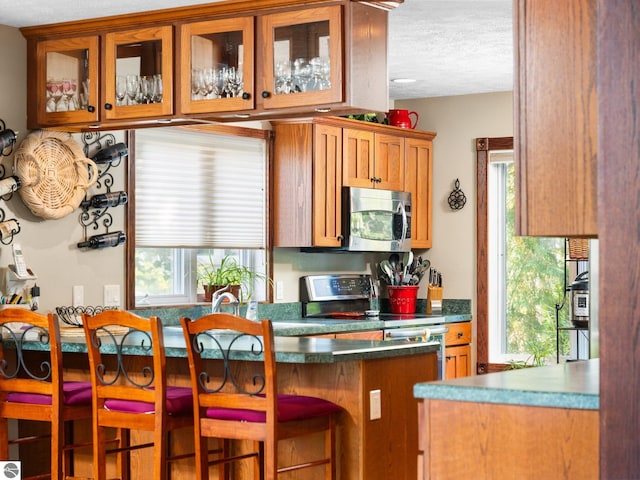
(288, 349)
(573, 385)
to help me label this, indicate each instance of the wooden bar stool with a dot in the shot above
(130, 391)
(228, 407)
(35, 390)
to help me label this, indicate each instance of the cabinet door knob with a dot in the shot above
(246, 95)
(340, 237)
(459, 334)
(108, 106)
(91, 109)
(448, 357)
(265, 94)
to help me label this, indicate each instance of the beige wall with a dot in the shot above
(50, 245)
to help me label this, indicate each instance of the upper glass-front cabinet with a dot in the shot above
(302, 58)
(217, 66)
(138, 76)
(67, 81)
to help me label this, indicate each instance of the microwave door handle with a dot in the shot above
(404, 220)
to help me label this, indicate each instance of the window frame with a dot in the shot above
(130, 245)
(484, 147)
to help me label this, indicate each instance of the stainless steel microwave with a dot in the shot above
(376, 220)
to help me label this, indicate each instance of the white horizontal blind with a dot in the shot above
(201, 190)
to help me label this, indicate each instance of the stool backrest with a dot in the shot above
(26, 330)
(232, 338)
(126, 358)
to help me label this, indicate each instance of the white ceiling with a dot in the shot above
(451, 47)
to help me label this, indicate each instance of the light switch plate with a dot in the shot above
(78, 296)
(111, 295)
(375, 405)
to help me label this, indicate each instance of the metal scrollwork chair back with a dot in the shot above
(130, 392)
(32, 388)
(232, 362)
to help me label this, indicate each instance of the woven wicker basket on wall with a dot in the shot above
(578, 248)
(54, 172)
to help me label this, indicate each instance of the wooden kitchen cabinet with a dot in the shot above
(315, 58)
(307, 167)
(70, 91)
(140, 57)
(458, 350)
(418, 179)
(373, 160)
(63, 79)
(556, 113)
(310, 168)
(212, 53)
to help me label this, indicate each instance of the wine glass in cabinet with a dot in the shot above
(217, 66)
(143, 57)
(66, 81)
(302, 58)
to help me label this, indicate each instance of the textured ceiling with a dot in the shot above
(451, 47)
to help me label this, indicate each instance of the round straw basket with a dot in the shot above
(54, 172)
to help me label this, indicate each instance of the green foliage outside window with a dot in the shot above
(535, 283)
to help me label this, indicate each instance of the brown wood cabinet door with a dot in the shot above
(65, 81)
(418, 179)
(458, 361)
(327, 186)
(207, 52)
(556, 110)
(389, 162)
(146, 52)
(310, 33)
(358, 151)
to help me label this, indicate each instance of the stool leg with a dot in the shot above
(4, 439)
(124, 457)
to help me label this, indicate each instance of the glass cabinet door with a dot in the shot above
(138, 76)
(302, 57)
(66, 83)
(216, 66)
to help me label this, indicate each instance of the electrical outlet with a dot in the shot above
(78, 296)
(375, 405)
(279, 290)
(111, 295)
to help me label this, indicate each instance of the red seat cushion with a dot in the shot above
(290, 408)
(179, 401)
(75, 393)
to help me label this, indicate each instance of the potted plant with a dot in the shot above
(240, 278)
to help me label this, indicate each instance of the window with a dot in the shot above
(525, 276)
(199, 195)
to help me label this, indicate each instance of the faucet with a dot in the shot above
(218, 297)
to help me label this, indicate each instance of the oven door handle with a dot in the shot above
(438, 330)
(408, 332)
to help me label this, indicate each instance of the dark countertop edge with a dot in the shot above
(572, 385)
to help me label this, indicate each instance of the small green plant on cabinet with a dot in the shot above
(228, 272)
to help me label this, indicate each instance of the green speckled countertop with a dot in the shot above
(288, 349)
(568, 385)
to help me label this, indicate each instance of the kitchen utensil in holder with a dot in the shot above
(434, 300)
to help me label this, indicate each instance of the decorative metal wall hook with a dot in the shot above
(457, 198)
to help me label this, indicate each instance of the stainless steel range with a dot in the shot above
(348, 296)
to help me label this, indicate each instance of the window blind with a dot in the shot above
(200, 190)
